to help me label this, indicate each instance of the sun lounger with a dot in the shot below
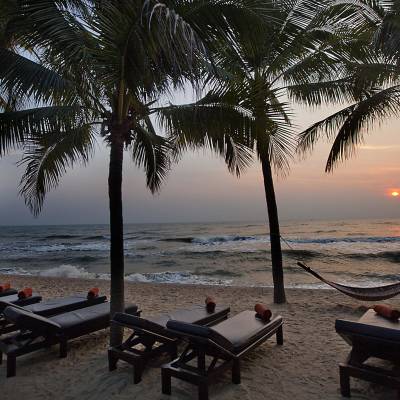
(8, 292)
(370, 336)
(14, 299)
(37, 332)
(50, 307)
(226, 342)
(151, 338)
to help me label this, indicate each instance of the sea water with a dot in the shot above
(359, 252)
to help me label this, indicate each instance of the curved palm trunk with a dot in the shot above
(276, 251)
(116, 229)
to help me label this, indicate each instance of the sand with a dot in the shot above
(305, 367)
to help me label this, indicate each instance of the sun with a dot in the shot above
(395, 194)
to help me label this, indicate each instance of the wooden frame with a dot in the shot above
(364, 347)
(27, 342)
(143, 345)
(222, 359)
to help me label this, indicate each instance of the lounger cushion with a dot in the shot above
(26, 320)
(70, 324)
(370, 325)
(63, 304)
(35, 298)
(76, 321)
(8, 292)
(197, 314)
(235, 334)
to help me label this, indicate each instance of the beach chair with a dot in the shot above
(14, 299)
(226, 343)
(150, 337)
(37, 332)
(49, 308)
(370, 336)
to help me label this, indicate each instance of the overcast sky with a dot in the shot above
(199, 188)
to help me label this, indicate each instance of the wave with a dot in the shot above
(73, 271)
(366, 239)
(61, 237)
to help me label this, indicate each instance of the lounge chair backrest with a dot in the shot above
(5, 304)
(199, 333)
(26, 320)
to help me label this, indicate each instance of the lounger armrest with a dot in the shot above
(199, 333)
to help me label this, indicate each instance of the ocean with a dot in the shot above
(356, 252)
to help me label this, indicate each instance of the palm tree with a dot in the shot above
(256, 77)
(369, 82)
(99, 67)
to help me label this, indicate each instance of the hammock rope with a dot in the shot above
(376, 293)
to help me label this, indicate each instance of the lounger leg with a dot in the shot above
(63, 347)
(203, 391)
(1, 357)
(112, 361)
(236, 371)
(174, 352)
(279, 336)
(137, 372)
(344, 381)
(165, 381)
(11, 366)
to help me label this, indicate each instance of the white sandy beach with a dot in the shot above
(305, 367)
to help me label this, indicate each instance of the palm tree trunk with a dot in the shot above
(276, 251)
(116, 229)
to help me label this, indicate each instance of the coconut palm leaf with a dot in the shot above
(150, 152)
(48, 156)
(349, 125)
(29, 79)
(16, 127)
(222, 128)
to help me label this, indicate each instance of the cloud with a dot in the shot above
(380, 148)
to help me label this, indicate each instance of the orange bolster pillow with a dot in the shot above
(24, 293)
(386, 311)
(4, 287)
(93, 292)
(262, 312)
(210, 304)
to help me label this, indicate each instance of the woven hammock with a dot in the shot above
(360, 293)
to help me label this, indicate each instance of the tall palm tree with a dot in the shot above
(73, 69)
(369, 82)
(258, 74)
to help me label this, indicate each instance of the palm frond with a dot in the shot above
(222, 128)
(349, 125)
(30, 80)
(151, 152)
(16, 127)
(48, 156)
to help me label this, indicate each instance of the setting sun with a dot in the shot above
(395, 194)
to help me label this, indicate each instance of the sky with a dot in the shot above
(200, 189)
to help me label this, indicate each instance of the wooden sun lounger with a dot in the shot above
(150, 337)
(49, 308)
(14, 299)
(226, 342)
(370, 336)
(37, 332)
(8, 292)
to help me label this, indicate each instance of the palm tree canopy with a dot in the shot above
(73, 69)
(369, 81)
(268, 65)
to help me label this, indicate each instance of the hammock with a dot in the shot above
(360, 293)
